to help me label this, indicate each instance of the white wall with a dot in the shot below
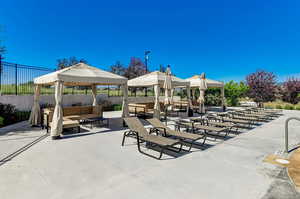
(25, 102)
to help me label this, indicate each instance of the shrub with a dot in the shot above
(234, 91)
(278, 106)
(212, 100)
(8, 111)
(1, 121)
(117, 107)
(289, 107)
(297, 108)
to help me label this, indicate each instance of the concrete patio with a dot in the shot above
(94, 165)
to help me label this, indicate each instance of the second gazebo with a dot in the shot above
(196, 82)
(156, 79)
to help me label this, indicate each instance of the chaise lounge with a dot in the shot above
(138, 131)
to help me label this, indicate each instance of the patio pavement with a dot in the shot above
(94, 165)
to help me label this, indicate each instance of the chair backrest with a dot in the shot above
(135, 125)
(157, 123)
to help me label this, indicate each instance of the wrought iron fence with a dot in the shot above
(17, 79)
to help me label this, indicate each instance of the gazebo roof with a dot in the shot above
(81, 75)
(195, 81)
(155, 78)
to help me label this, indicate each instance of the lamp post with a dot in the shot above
(147, 52)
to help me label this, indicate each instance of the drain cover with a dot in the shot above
(282, 161)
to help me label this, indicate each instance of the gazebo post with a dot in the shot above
(156, 111)
(223, 98)
(94, 94)
(35, 115)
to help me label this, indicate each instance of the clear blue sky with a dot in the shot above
(226, 39)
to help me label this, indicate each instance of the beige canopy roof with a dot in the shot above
(155, 78)
(81, 75)
(195, 82)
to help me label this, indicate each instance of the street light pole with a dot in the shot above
(147, 52)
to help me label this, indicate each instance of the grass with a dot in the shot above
(278, 104)
(28, 89)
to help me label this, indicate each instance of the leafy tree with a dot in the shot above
(118, 68)
(135, 68)
(234, 91)
(262, 86)
(67, 62)
(290, 90)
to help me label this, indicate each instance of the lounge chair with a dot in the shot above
(183, 136)
(195, 127)
(138, 131)
(213, 121)
(225, 117)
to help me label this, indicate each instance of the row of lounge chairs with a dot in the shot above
(196, 129)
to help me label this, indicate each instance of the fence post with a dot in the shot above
(16, 78)
(108, 91)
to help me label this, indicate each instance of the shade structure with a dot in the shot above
(79, 75)
(35, 115)
(195, 82)
(157, 80)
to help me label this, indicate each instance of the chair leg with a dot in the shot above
(124, 136)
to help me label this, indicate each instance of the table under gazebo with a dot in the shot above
(157, 79)
(77, 75)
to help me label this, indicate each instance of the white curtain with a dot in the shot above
(35, 115)
(188, 91)
(194, 93)
(94, 94)
(201, 101)
(125, 111)
(172, 95)
(57, 120)
(156, 113)
(202, 88)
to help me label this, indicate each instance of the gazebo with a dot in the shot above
(156, 79)
(195, 82)
(77, 75)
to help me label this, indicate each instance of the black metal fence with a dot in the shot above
(17, 79)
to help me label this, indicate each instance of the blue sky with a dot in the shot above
(226, 39)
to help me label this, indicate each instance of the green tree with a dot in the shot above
(67, 62)
(234, 91)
